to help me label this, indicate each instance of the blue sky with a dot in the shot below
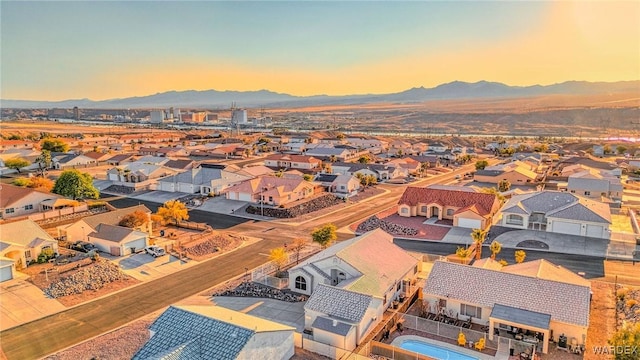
(57, 50)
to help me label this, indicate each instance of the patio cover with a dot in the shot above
(520, 316)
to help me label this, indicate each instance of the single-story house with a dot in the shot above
(466, 208)
(351, 284)
(17, 201)
(516, 173)
(286, 161)
(271, 190)
(118, 240)
(204, 332)
(537, 297)
(558, 212)
(203, 180)
(72, 160)
(595, 184)
(21, 242)
(79, 230)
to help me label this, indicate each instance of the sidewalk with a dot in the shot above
(21, 302)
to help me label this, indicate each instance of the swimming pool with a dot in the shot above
(434, 351)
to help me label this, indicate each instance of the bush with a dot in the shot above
(631, 303)
(45, 255)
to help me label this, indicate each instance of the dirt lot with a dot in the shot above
(602, 318)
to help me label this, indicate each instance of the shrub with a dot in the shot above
(622, 293)
(631, 303)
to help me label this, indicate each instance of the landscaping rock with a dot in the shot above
(91, 278)
(315, 204)
(249, 289)
(374, 222)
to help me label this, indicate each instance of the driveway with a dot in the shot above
(282, 312)
(145, 267)
(159, 196)
(559, 243)
(21, 302)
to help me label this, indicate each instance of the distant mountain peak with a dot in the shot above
(212, 98)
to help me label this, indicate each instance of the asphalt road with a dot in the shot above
(44, 336)
(217, 221)
(593, 267)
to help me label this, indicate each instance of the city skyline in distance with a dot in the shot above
(72, 50)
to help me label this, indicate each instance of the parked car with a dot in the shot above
(155, 251)
(83, 246)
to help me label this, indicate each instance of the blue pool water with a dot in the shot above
(434, 351)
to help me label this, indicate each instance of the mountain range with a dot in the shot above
(211, 99)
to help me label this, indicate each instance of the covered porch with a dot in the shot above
(528, 326)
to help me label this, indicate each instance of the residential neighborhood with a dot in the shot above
(365, 245)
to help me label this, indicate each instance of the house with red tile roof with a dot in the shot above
(465, 208)
(271, 190)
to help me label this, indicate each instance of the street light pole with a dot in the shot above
(261, 201)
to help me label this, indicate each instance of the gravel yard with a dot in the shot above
(211, 244)
(79, 281)
(122, 343)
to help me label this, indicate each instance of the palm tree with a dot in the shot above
(478, 236)
(495, 249)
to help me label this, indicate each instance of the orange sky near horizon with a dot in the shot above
(592, 41)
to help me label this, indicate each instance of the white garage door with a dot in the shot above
(469, 223)
(6, 274)
(167, 186)
(566, 228)
(244, 197)
(594, 230)
(137, 244)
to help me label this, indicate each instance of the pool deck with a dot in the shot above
(459, 349)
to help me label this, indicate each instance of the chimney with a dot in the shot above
(335, 323)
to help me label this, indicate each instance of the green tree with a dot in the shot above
(607, 149)
(424, 167)
(504, 185)
(279, 257)
(478, 236)
(495, 248)
(325, 235)
(174, 210)
(463, 252)
(134, 219)
(628, 337)
(44, 161)
(364, 159)
(493, 191)
(54, 145)
(481, 164)
(621, 149)
(16, 163)
(76, 185)
(520, 255)
(21, 181)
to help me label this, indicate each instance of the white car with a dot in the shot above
(155, 251)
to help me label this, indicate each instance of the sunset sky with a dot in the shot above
(101, 50)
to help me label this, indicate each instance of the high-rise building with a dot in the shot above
(239, 117)
(157, 116)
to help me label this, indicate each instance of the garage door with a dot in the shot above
(566, 228)
(137, 244)
(244, 197)
(469, 223)
(6, 274)
(594, 231)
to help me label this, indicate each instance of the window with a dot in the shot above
(28, 207)
(27, 254)
(301, 283)
(404, 210)
(423, 209)
(573, 191)
(514, 220)
(587, 193)
(469, 310)
(9, 211)
(450, 212)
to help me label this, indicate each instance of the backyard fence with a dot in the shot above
(396, 353)
(51, 214)
(304, 341)
(499, 343)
